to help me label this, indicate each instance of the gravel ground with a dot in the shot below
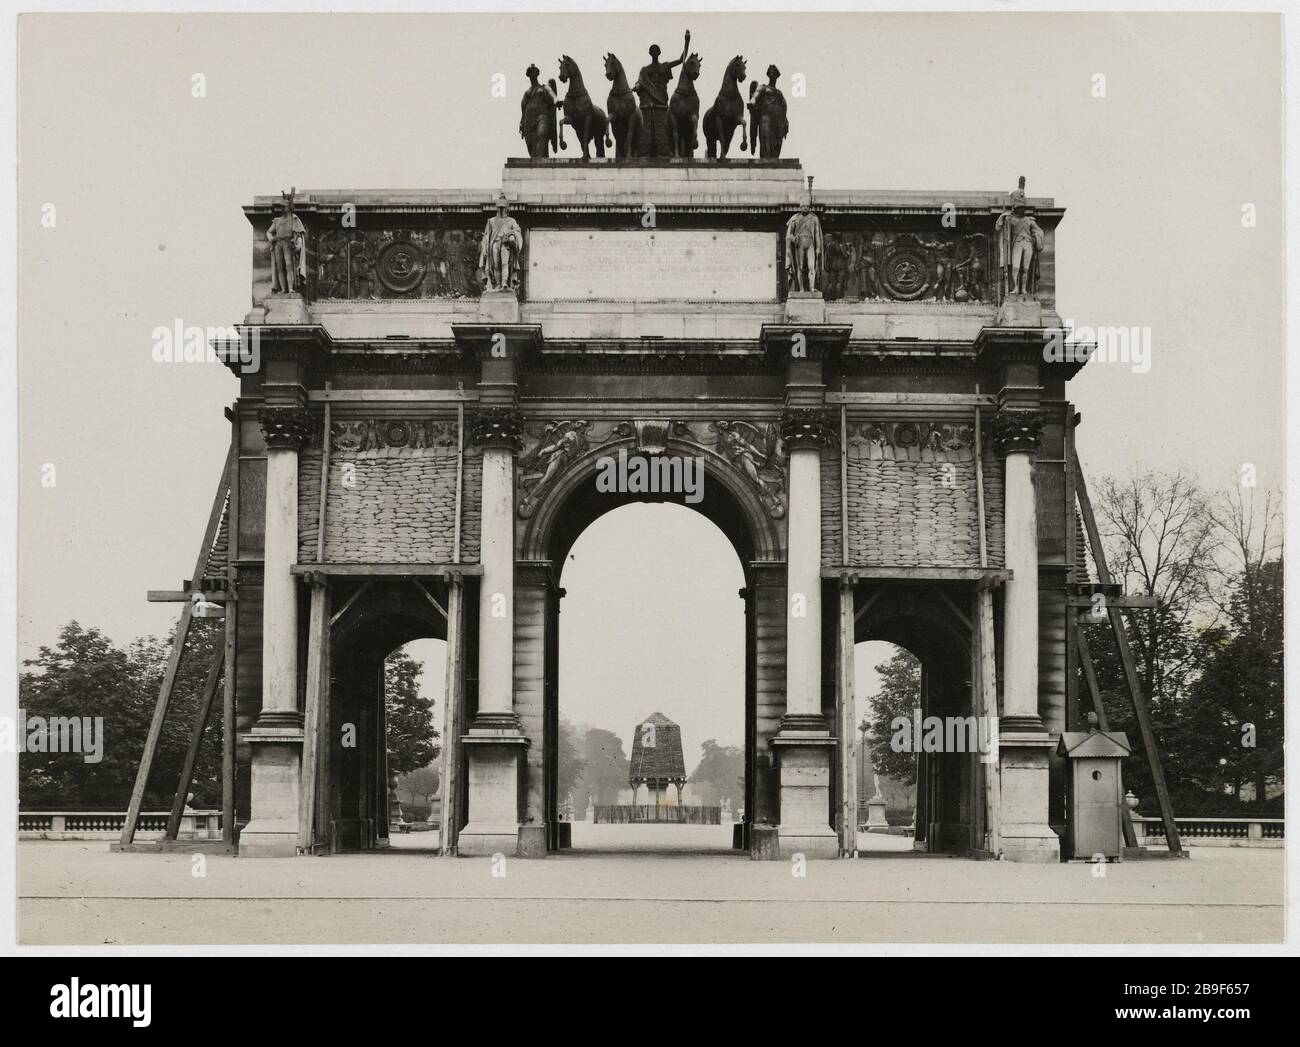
(628, 889)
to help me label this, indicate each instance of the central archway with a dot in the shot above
(562, 513)
(652, 631)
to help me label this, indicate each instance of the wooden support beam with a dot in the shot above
(952, 606)
(188, 595)
(988, 691)
(174, 662)
(347, 604)
(1127, 603)
(229, 697)
(847, 706)
(1140, 711)
(430, 597)
(196, 740)
(228, 722)
(913, 575)
(322, 504)
(317, 692)
(872, 597)
(453, 708)
(386, 570)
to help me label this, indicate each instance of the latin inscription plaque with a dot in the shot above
(651, 265)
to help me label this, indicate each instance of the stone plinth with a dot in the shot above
(494, 787)
(1019, 310)
(805, 776)
(498, 307)
(638, 182)
(876, 813)
(277, 759)
(1026, 836)
(286, 309)
(805, 307)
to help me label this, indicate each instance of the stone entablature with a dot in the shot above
(904, 264)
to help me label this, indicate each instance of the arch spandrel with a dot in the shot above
(571, 502)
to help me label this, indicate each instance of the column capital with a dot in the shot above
(1017, 431)
(285, 427)
(500, 427)
(808, 428)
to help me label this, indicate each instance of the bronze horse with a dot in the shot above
(580, 113)
(684, 109)
(727, 111)
(624, 113)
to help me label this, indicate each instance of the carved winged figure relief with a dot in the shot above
(561, 444)
(760, 455)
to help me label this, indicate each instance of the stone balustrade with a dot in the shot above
(1213, 832)
(201, 824)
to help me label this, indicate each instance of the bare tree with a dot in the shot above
(1249, 534)
(1162, 541)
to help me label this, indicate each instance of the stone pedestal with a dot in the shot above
(1019, 310)
(499, 307)
(805, 307)
(804, 759)
(276, 763)
(494, 759)
(286, 309)
(876, 813)
(1026, 836)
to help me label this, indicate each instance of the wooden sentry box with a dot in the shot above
(1094, 793)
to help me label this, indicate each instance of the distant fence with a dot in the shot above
(1214, 832)
(100, 825)
(626, 814)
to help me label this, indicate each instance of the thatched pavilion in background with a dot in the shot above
(657, 760)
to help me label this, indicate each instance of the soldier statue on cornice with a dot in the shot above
(288, 240)
(1020, 240)
(499, 251)
(804, 251)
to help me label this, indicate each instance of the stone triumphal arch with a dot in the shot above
(428, 390)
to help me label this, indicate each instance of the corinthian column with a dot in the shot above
(1023, 743)
(805, 431)
(494, 744)
(276, 737)
(804, 744)
(1016, 435)
(496, 431)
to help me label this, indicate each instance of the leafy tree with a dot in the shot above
(571, 761)
(899, 694)
(1209, 658)
(605, 767)
(86, 675)
(720, 774)
(412, 739)
(1232, 726)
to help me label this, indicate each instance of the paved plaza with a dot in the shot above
(652, 884)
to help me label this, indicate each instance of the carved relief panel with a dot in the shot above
(393, 263)
(866, 264)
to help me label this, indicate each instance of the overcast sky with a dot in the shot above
(148, 181)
